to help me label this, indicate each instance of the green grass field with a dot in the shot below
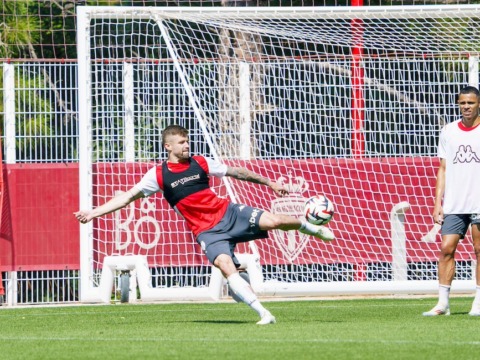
(330, 329)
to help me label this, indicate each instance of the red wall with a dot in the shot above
(38, 230)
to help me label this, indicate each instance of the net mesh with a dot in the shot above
(346, 104)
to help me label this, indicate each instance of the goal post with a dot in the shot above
(342, 101)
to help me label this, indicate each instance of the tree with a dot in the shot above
(18, 30)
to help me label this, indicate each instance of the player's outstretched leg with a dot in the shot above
(269, 221)
(319, 231)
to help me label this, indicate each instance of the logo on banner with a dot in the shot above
(133, 225)
(291, 243)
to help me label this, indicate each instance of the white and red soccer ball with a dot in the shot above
(319, 210)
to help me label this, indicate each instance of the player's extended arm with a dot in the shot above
(439, 191)
(118, 202)
(240, 173)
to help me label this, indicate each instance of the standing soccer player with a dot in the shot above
(217, 224)
(457, 184)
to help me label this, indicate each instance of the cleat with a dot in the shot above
(437, 311)
(474, 312)
(266, 319)
(324, 233)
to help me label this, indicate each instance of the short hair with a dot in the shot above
(469, 90)
(173, 130)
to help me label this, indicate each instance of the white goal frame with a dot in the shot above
(137, 264)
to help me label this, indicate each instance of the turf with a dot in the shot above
(331, 329)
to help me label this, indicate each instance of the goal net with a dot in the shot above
(342, 101)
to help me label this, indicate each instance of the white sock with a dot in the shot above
(476, 301)
(443, 295)
(244, 291)
(307, 228)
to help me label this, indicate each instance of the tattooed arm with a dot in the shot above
(243, 174)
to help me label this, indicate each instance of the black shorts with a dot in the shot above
(239, 224)
(458, 224)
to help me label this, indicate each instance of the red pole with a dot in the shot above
(2, 290)
(357, 75)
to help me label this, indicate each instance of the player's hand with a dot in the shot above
(439, 219)
(83, 216)
(279, 189)
(438, 216)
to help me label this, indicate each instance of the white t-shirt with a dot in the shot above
(460, 147)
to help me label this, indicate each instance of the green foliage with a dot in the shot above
(334, 329)
(58, 36)
(18, 30)
(34, 112)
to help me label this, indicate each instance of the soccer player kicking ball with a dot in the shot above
(457, 184)
(217, 224)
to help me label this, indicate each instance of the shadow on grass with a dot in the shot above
(220, 322)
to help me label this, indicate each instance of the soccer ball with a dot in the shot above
(319, 210)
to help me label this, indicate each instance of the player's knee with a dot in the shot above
(225, 264)
(447, 251)
(222, 260)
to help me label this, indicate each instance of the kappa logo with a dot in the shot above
(465, 154)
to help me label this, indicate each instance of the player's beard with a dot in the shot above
(184, 155)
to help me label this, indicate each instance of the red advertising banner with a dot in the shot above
(39, 231)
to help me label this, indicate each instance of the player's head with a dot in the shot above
(172, 130)
(469, 103)
(175, 141)
(469, 90)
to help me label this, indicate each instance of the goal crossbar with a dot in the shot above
(281, 13)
